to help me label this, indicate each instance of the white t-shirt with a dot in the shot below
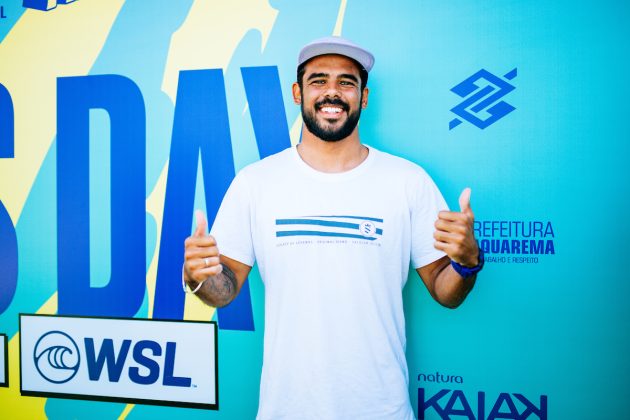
(333, 251)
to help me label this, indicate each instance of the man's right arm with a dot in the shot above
(222, 277)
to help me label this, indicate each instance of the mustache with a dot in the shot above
(335, 101)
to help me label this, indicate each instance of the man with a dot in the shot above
(333, 225)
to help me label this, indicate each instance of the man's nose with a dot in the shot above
(332, 91)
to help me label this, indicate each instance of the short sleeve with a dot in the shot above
(232, 225)
(425, 206)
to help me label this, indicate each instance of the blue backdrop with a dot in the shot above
(118, 118)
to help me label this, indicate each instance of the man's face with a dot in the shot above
(331, 99)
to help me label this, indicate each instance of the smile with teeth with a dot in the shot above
(331, 110)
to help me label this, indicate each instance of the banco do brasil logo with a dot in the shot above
(482, 104)
(56, 357)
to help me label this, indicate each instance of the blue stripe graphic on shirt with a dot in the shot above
(317, 233)
(322, 223)
(366, 229)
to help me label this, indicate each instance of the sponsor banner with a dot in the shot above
(4, 361)
(134, 360)
(482, 104)
(440, 395)
(480, 405)
(104, 155)
(514, 241)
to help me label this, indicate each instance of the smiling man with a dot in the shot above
(333, 225)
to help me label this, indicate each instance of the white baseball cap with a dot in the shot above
(336, 45)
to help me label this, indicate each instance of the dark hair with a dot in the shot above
(362, 73)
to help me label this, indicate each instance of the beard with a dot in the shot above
(328, 132)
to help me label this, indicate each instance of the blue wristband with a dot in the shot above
(466, 272)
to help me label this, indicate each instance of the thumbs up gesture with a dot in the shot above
(201, 254)
(454, 233)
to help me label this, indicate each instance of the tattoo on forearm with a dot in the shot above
(219, 290)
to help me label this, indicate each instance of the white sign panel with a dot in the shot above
(4, 361)
(132, 360)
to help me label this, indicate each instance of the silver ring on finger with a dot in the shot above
(206, 262)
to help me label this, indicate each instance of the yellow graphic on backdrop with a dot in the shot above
(40, 47)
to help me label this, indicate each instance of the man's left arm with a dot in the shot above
(454, 235)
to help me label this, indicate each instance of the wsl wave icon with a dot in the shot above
(482, 105)
(56, 357)
(354, 227)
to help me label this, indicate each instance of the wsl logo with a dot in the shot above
(56, 357)
(482, 105)
(119, 360)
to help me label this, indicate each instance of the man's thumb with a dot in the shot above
(464, 201)
(202, 224)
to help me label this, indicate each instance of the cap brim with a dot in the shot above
(338, 46)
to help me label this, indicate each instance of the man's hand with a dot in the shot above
(454, 233)
(201, 255)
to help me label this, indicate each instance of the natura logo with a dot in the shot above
(56, 357)
(482, 105)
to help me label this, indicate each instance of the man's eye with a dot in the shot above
(318, 82)
(346, 83)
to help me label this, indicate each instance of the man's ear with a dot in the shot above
(297, 93)
(364, 98)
